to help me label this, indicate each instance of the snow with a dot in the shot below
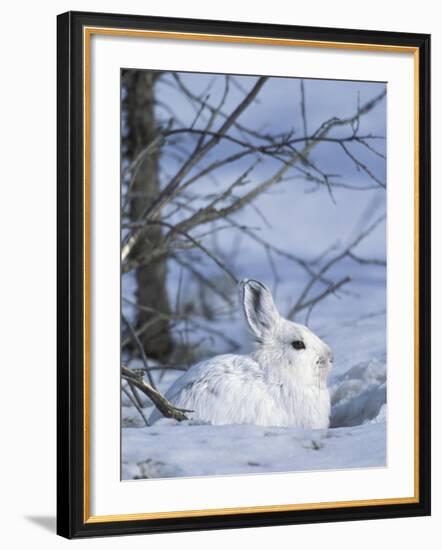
(184, 450)
(304, 223)
(356, 438)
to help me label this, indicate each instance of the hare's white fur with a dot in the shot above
(276, 385)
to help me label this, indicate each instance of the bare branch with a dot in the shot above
(177, 317)
(303, 108)
(140, 348)
(366, 261)
(199, 212)
(328, 125)
(176, 229)
(313, 301)
(203, 279)
(362, 235)
(198, 154)
(134, 402)
(165, 407)
(362, 166)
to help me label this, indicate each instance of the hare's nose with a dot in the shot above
(326, 358)
(328, 354)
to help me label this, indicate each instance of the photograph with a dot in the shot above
(253, 274)
(243, 274)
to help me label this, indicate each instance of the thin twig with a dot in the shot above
(140, 348)
(303, 107)
(166, 408)
(134, 403)
(174, 228)
(330, 290)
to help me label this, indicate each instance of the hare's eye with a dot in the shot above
(298, 344)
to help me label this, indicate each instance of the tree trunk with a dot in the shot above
(138, 105)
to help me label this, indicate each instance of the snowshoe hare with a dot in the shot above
(282, 383)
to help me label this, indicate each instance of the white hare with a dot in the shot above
(282, 383)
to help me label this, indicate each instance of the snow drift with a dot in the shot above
(356, 437)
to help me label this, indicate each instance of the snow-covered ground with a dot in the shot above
(356, 438)
(175, 450)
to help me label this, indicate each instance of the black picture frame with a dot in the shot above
(71, 518)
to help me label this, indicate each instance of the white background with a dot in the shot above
(27, 218)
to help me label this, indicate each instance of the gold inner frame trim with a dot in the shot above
(86, 281)
(87, 33)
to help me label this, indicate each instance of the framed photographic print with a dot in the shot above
(243, 274)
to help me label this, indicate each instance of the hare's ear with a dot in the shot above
(259, 307)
